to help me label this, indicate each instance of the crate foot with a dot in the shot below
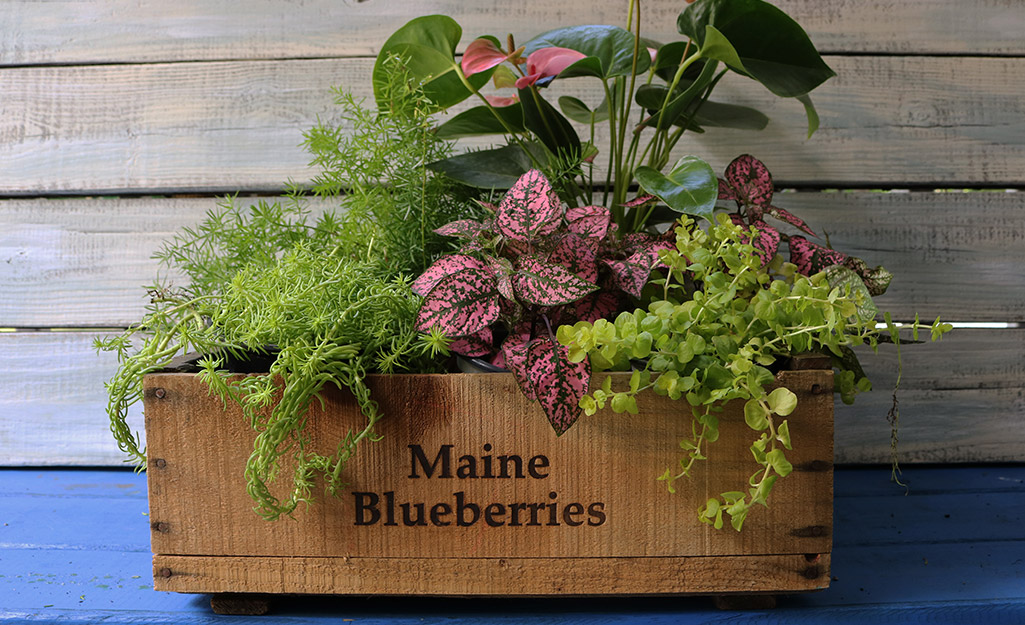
(240, 604)
(745, 602)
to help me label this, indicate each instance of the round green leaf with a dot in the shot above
(690, 187)
(755, 415)
(782, 401)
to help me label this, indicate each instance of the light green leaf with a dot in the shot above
(782, 401)
(755, 415)
(779, 463)
(783, 434)
(690, 187)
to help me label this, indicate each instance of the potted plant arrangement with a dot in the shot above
(641, 307)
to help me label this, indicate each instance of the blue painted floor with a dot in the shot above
(74, 548)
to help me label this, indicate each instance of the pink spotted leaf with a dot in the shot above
(546, 284)
(790, 218)
(750, 181)
(578, 255)
(474, 345)
(529, 209)
(767, 242)
(599, 305)
(725, 191)
(632, 274)
(461, 304)
(444, 266)
(558, 384)
(812, 258)
(502, 270)
(464, 228)
(589, 221)
(640, 200)
(514, 358)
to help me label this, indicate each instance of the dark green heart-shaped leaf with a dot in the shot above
(722, 115)
(427, 47)
(480, 120)
(499, 168)
(690, 187)
(611, 46)
(772, 48)
(548, 125)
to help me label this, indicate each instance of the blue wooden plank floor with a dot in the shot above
(74, 548)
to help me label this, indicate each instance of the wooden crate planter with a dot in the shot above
(581, 514)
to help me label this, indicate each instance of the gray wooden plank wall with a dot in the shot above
(113, 110)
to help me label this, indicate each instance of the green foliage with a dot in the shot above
(648, 104)
(722, 320)
(392, 201)
(328, 299)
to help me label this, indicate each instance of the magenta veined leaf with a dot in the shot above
(640, 200)
(464, 228)
(545, 284)
(558, 384)
(514, 352)
(481, 55)
(530, 209)
(589, 221)
(444, 266)
(767, 242)
(812, 258)
(725, 192)
(461, 304)
(503, 271)
(628, 275)
(474, 345)
(788, 217)
(599, 305)
(750, 180)
(578, 255)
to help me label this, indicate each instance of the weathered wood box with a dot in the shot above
(581, 514)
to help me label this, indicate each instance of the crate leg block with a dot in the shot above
(240, 604)
(745, 602)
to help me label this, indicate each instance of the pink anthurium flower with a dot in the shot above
(481, 55)
(498, 101)
(545, 64)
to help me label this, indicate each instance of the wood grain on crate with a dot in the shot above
(83, 261)
(591, 492)
(564, 577)
(962, 400)
(225, 126)
(100, 31)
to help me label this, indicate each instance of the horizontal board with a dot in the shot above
(82, 262)
(96, 31)
(229, 126)
(518, 577)
(962, 400)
